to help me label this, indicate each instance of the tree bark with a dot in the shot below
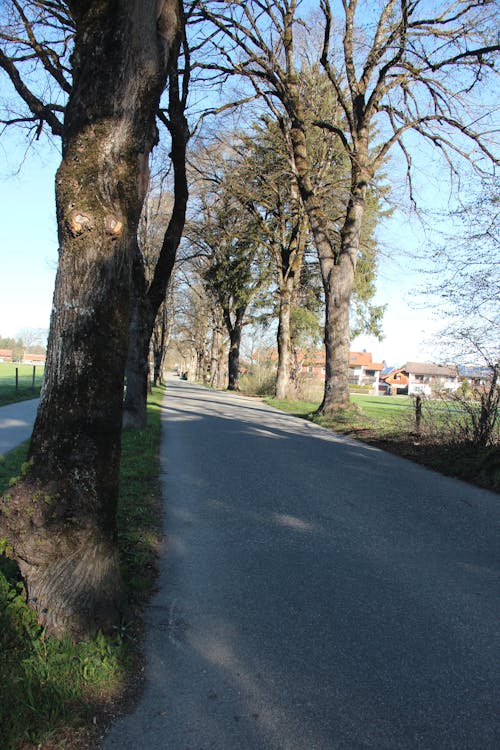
(289, 265)
(233, 360)
(340, 285)
(148, 300)
(284, 342)
(139, 334)
(337, 264)
(161, 338)
(59, 522)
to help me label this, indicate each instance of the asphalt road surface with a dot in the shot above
(16, 423)
(315, 593)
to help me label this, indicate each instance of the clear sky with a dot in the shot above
(28, 255)
(28, 239)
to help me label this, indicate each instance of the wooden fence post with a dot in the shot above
(418, 412)
(17, 380)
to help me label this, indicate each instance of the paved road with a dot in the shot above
(16, 424)
(315, 593)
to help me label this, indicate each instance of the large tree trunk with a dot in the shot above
(60, 520)
(233, 360)
(217, 353)
(340, 285)
(337, 264)
(289, 265)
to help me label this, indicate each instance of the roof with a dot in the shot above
(5, 352)
(429, 368)
(474, 371)
(356, 359)
(364, 359)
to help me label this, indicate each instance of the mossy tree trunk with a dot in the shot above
(59, 521)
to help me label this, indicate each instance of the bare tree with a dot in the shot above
(393, 71)
(467, 299)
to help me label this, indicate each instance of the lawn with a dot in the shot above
(58, 695)
(382, 410)
(28, 383)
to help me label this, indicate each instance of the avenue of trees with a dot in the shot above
(336, 89)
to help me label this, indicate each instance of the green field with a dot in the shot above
(383, 409)
(26, 387)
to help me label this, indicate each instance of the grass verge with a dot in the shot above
(56, 694)
(388, 423)
(27, 387)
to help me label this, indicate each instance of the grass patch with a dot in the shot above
(56, 694)
(389, 423)
(27, 387)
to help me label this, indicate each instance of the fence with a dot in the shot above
(19, 381)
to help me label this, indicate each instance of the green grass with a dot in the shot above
(8, 392)
(54, 693)
(367, 410)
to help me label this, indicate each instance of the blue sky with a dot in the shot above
(28, 239)
(29, 256)
(28, 245)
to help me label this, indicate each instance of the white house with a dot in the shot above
(427, 379)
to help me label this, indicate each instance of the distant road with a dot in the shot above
(315, 593)
(16, 423)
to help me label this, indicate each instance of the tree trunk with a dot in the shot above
(233, 361)
(337, 264)
(137, 367)
(60, 520)
(217, 354)
(147, 301)
(284, 343)
(161, 338)
(340, 285)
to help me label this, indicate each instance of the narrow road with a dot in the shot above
(315, 593)
(16, 423)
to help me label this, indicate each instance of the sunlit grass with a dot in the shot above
(26, 388)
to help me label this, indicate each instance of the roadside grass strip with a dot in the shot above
(27, 386)
(57, 694)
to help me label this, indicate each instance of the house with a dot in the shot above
(362, 370)
(33, 359)
(475, 375)
(394, 381)
(423, 378)
(5, 355)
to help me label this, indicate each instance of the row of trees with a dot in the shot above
(248, 255)
(94, 74)
(32, 340)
